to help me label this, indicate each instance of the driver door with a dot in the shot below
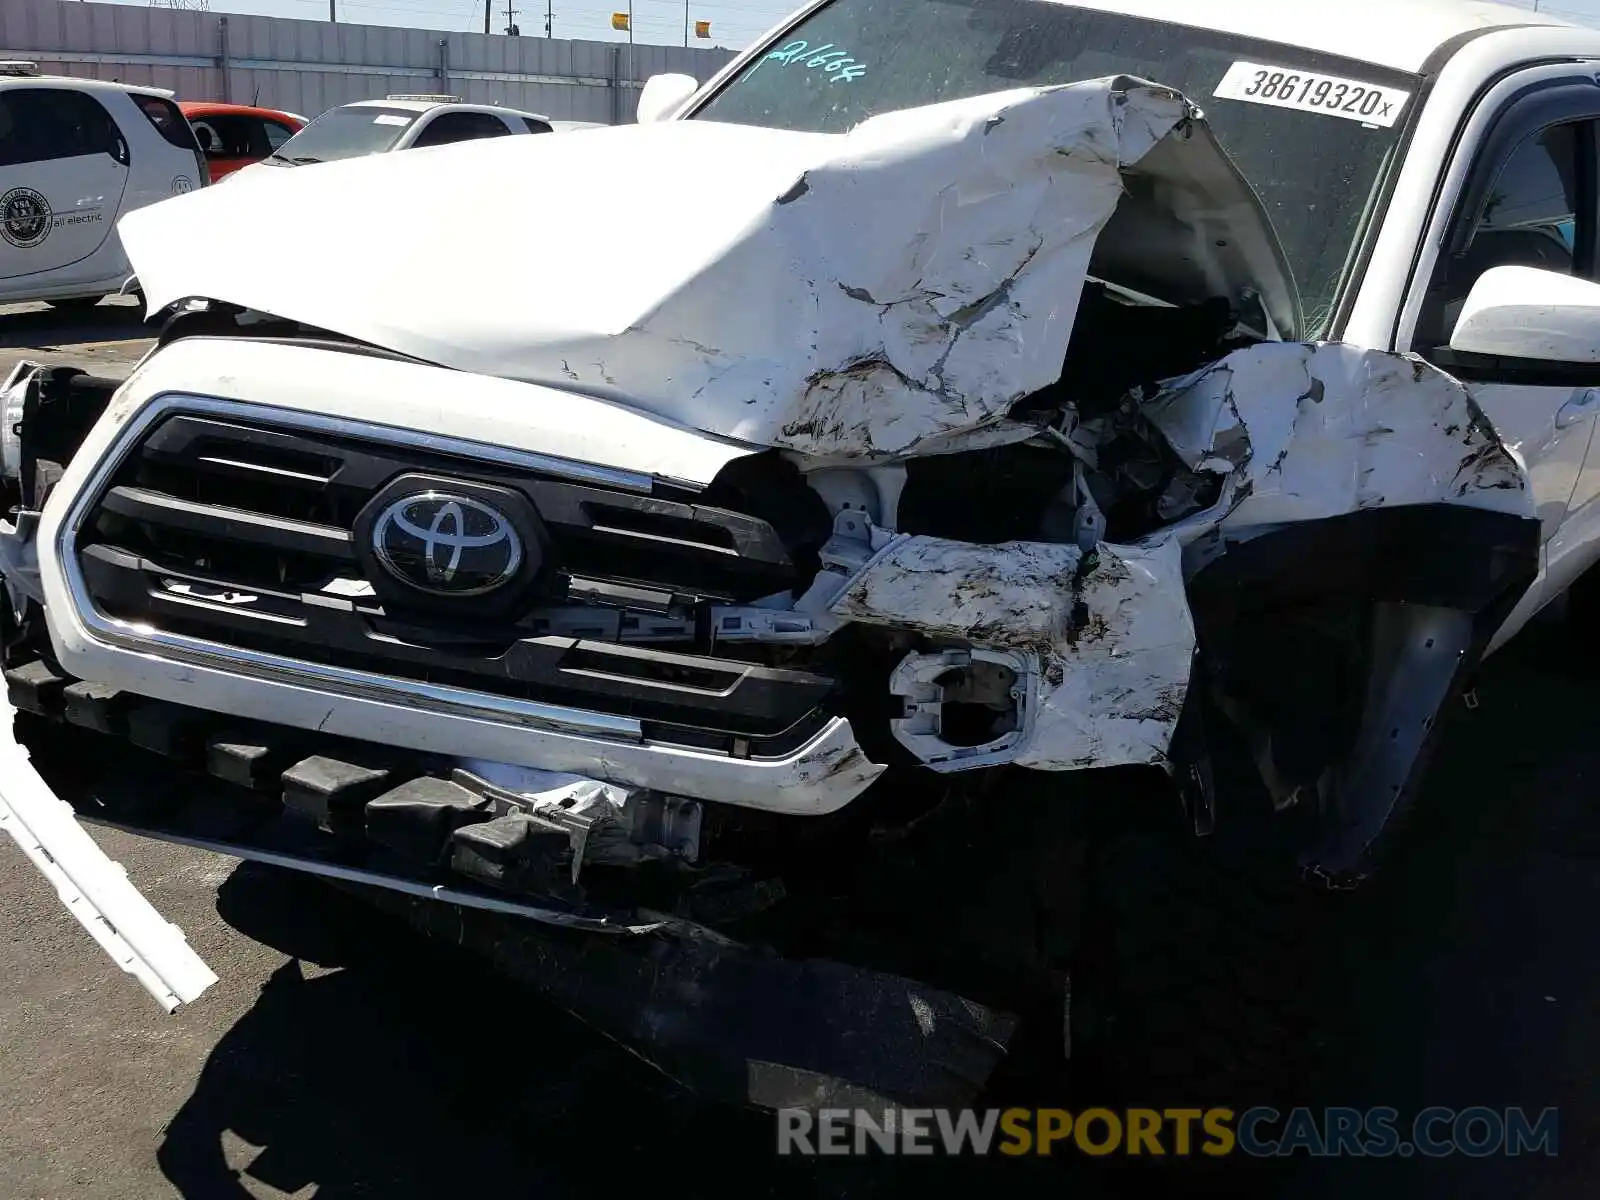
(1530, 201)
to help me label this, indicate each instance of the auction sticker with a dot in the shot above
(1331, 95)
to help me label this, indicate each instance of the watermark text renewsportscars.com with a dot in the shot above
(1435, 1132)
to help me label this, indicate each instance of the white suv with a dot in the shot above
(75, 155)
(404, 122)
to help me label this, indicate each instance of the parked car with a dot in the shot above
(75, 155)
(869, 558)
(400, 122)
(232, 136)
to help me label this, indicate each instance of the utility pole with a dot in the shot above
(511, 20)
(333, 17)
(685, 24)
(488, 7)
(549, 16)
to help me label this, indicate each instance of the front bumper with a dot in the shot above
(731, 1022)
(1099, 643)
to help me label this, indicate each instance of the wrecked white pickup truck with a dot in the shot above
(973, 457)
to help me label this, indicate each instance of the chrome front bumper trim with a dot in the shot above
(819, 777)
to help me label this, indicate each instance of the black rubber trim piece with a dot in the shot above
(295, 491)
(723, 697)
(228, 524)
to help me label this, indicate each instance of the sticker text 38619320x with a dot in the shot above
(1311, 91)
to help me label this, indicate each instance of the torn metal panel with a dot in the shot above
(849, 296)
(1112, 695)
(1307, 432)
(1109, 629)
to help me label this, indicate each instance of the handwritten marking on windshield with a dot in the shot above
(825, 57)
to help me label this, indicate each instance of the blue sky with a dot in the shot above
(734, 23)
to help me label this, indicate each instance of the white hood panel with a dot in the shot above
(845, 296)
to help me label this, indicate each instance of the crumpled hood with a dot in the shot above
(847, 296)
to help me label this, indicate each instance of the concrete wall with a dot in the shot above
(309, 66)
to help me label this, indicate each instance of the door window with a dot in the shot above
(1538, 211)
(460, 127)
(227, 135)
(167, 118)
(40, 124)
(275, 134)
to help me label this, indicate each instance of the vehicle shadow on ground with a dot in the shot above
(1467, 975)
(415, 1071)
(38, 327)
(1469, 972)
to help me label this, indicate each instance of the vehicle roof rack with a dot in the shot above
(18, 66)
(424, 96)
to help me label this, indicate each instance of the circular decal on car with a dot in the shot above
(182, 184)
(25, 217)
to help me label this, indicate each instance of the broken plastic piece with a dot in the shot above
(35, 688)
(930, 686)
(416, 818)
(98, 706)
(94, 889)
(248, 760)
(168, 729)
(332, 791)
(516, 852)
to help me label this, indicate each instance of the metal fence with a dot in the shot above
(309, 66)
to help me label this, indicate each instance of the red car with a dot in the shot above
(236, 135)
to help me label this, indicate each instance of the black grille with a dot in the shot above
(247, 535)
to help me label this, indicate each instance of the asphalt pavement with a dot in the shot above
(105, 340)
(343, 1056)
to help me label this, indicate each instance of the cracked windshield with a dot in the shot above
(1311, 132)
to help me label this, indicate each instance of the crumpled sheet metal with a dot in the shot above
(997, 203)
(1306, 432)
(1302, 433)
(847, 296)
(1111, 630)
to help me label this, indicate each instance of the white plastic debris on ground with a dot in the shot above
(93, 888)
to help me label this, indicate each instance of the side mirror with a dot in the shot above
(1523, 312)
(661, 95)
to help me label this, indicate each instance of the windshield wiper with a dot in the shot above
(298, 160)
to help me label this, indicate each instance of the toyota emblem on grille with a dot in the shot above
(449, 545)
